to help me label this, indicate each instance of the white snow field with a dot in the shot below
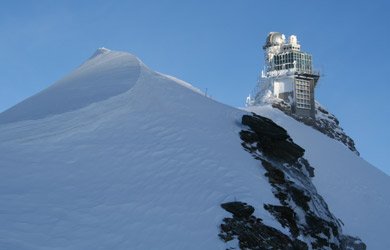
(117, 156)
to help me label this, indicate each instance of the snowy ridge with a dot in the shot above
(117, 156)
(106, 74)
(100, 51)
(183, 83)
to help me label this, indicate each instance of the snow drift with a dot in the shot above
(117, 156)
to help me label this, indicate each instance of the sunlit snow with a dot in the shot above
(117, 156)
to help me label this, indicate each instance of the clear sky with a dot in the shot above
(215, 45)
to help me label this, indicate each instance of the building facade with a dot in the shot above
(289, 73)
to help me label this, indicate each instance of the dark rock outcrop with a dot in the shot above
(270, 139)
(238, 209)
(301, 210)
(252, 233)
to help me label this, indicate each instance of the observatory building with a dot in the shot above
(289, 74)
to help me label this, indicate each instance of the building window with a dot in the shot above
(302, 95)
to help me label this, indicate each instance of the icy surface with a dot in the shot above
(116, 156)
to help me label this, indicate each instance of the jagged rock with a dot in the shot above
(251, 233)
(265, 127)
(238, 209)
(275, 175)
(300, 198)
(286, 217)
(273, 139)
(302, 210)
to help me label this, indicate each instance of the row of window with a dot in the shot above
(291, 47)
(301, 91)
(288, 60)
(303, 106)
(302, 83)
(305, 95)
(302, 88)
(292, 56)
(303, 100)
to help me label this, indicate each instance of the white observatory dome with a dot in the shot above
(274, 38)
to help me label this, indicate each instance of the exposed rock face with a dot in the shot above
(251, 232)
(352, 243)
(301, 210)
(324, 122)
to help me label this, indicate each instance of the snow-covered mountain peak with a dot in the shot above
(105, 85)
(106, 74)
(103, 55)
(100, 51)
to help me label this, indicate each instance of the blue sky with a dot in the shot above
(215, 45)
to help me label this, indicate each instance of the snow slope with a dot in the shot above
(116, 156)
(145, 169)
